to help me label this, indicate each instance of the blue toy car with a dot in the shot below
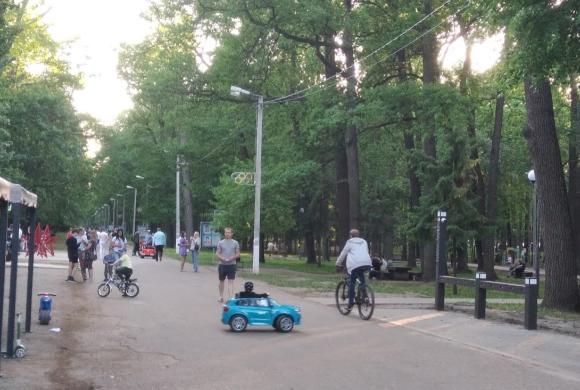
(238, 313)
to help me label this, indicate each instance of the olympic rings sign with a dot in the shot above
(243, 178)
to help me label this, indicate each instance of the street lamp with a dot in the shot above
(535, 230)
(107, 215)
(135, 202)
(237, 91)
(114, 211)
(134, 206)
(123, 214)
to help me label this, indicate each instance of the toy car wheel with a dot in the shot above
(141, 256)
(284, 323)
(44, 317)
(238, 323)
(103, 290)
(19, 352)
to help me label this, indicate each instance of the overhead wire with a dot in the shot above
(332, 81)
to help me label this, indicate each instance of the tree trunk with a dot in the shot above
(479, 184)
(430, 76)
(561, 289)
(309, 247)
(186, 193)
(492, 179)
(573, 168)
(350, 136)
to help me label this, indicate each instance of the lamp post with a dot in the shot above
(139, 177)
(237, 91)
(177, 203)
(535, 230)
(114, 200)
(134, 206)
(106, 205)
(123, 213)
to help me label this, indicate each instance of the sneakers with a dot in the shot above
(221, 300)
(348, 309)
(70, 279)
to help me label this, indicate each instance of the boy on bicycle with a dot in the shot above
(358, 260)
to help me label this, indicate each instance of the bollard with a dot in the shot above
(531, 303)
(440, 296)
(480, 296)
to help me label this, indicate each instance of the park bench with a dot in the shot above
(400, 270)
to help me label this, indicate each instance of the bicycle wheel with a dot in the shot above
(104, 289)
(366, 302)
(341, 297)
(132, 290)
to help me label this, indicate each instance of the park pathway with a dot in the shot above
(170, 337)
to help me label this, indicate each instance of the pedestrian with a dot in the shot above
(119, 243)
(358, 260)
(136, 238)
(228, 250)
(195, 244)
(182, 246)
(83, 246)
(89, 255)
(103, 239)
(159, 242)
(72, 248)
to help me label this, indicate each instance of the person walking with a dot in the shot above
(195, 244)
(136, 238)
(72, 248)
(182, 246)
(103, 239)
(358, 260)
(119, 243)
(159, 242)
(89, 254)
(228, 250)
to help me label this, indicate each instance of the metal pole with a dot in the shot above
(123, 223)
(3, 228)
(32, 213)
(134, 209)
(15, 246)
(177, 207)
(114, 212)
(258, 178)
(536, 234)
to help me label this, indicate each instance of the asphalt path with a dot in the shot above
(171, 337)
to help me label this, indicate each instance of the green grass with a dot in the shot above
(542, 311)
(291, 272)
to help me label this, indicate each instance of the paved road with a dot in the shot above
(170, 337)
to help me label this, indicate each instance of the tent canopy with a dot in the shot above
(15, 193)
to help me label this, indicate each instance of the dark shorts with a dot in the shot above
(227, 270)
(73, 259)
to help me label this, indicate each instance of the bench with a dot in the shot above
(400, 270)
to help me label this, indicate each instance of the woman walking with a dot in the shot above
(182, 243)
(195, 243)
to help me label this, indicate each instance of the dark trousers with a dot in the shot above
(124, 272)
(354, 274)
(158, 252)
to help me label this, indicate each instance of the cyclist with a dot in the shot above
(358, 260)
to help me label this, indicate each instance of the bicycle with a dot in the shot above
(364, 298)
(127, 287)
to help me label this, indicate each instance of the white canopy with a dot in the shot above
(15, 193)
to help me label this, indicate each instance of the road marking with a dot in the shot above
(410, 320)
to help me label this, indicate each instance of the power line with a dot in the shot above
(335, 80)
(335, 76)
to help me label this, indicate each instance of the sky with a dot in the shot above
(95, 30)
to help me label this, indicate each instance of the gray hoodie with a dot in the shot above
(356, 252)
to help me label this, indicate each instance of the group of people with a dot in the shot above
(84, 246)
(192, 245)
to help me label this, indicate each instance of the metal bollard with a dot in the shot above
(531, 303)
(480, 296)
